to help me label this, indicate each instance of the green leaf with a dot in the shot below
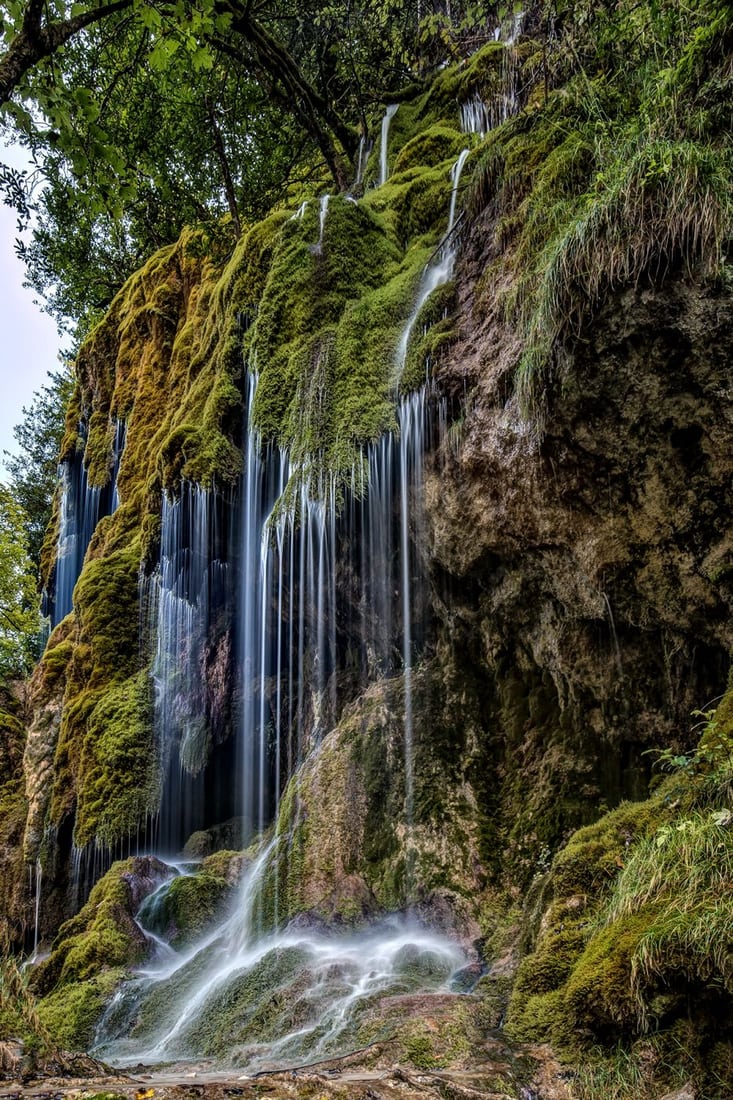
(161, 54)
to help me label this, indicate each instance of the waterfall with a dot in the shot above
(300, 212)
(185, 594)
(78, 517)
(479, 117)
(330, 577)
(383, 164)
(82, 506)
(326, 577)
(437, 273)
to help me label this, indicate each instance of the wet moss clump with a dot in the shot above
(191, 906)
(102, 936)
(93, 952)
(70, 1015)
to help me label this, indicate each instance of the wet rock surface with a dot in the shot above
(496, 1073)
(590, 606)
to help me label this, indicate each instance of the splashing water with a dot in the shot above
(268, 1000)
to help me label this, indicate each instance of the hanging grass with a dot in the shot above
(619, 171)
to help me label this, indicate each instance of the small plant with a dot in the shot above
(707, 770)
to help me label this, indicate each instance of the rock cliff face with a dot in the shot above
(571, 572)
(592, 592)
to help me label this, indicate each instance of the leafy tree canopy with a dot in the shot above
(145, 116)
(33, 470)
(20, 621)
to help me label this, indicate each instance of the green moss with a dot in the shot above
(414, 204)
(593, 856)
(420, 1052)
(321, 324)
(104, 753)
(192, 904)
(630, 929)
(120, 782)
(102, 937)
(225, 864)
(72, 1013)
(550, 965)
(480, 75)
(305, 396)
(429, 148)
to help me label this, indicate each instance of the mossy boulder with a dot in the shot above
(188, 906)
(104, 935)
(345, 851)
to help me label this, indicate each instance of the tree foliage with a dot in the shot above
(33, 470)
(145, 115)
(20, 621)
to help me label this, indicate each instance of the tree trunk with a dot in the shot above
(35, 42)
(221, 156)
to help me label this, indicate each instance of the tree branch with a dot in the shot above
(34, 42)
(321, 121)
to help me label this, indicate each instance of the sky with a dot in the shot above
(29, 341)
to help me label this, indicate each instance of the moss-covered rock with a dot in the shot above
(346, 850)
(92, 954)
(71, 1013)
(190, 905)
(632, 921)
(103, 936)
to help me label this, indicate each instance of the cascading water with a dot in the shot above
(332, 595)
(436, 274)
(384, 146)
(36, 886)
(117, 450)
(412, 421)
(263, 481)
(79, 515)
(82, 506)
(365, 148)
(187, 593)
(300, 212)
(479, 117)
(313, 989)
